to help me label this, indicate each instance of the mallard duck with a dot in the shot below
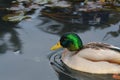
(94, 57)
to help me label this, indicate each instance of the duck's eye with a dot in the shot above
(66, 43)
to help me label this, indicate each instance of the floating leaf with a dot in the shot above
(15, 17)
(41, 1)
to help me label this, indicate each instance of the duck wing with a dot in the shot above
(98, 45)
(100, 52)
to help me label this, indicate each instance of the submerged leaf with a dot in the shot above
(118, 8)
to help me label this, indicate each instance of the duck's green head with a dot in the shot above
(71, 41)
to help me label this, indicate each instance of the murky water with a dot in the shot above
(24, 47)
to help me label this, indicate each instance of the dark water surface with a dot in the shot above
(24, 49)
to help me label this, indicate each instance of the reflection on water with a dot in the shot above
(55, 27)
(9, 40)
(50, 26)
(111, 34)
(65, 73)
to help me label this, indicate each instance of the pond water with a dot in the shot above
(24, 46)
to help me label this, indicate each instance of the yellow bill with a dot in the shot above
(56, 46)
